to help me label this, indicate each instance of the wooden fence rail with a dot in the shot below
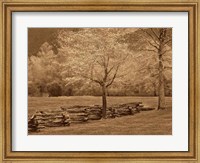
(80, 114)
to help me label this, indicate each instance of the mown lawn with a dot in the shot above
(143, 123)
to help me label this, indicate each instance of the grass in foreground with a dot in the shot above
(143, 123)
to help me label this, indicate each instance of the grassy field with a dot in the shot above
(143, 123)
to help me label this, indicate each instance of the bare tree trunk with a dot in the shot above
(161, 97)
(155, 91)
(104, 101)
(161, 91)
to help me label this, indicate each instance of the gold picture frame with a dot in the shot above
(9, 6)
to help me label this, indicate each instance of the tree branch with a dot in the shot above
(153, 45)
(167, 41)
(148, 68)
(152, 50)
(155, 34)
(111, 69)
(114, 76)
(165, 52)
(91, 78)
(99, 63)
(169, 67)
(153, 39)
(108, 59)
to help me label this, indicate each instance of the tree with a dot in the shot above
(94, 54)
(43, 68)
(157, 42)
(54, 89)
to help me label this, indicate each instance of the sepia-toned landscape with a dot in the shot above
(100, 81)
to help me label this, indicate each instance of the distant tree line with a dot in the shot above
(58, 89)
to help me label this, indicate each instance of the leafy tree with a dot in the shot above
(43, 68)
(154, 42)
(94, 54)
(33, 89)
(54, 89)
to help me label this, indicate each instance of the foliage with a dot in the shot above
(33, 90)
(54, 89)
(93, 54)
(86, 58)
(157, 42)
(43, 69)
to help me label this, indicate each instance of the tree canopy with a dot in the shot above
(81, 60)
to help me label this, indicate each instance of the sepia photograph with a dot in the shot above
(100, 81)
